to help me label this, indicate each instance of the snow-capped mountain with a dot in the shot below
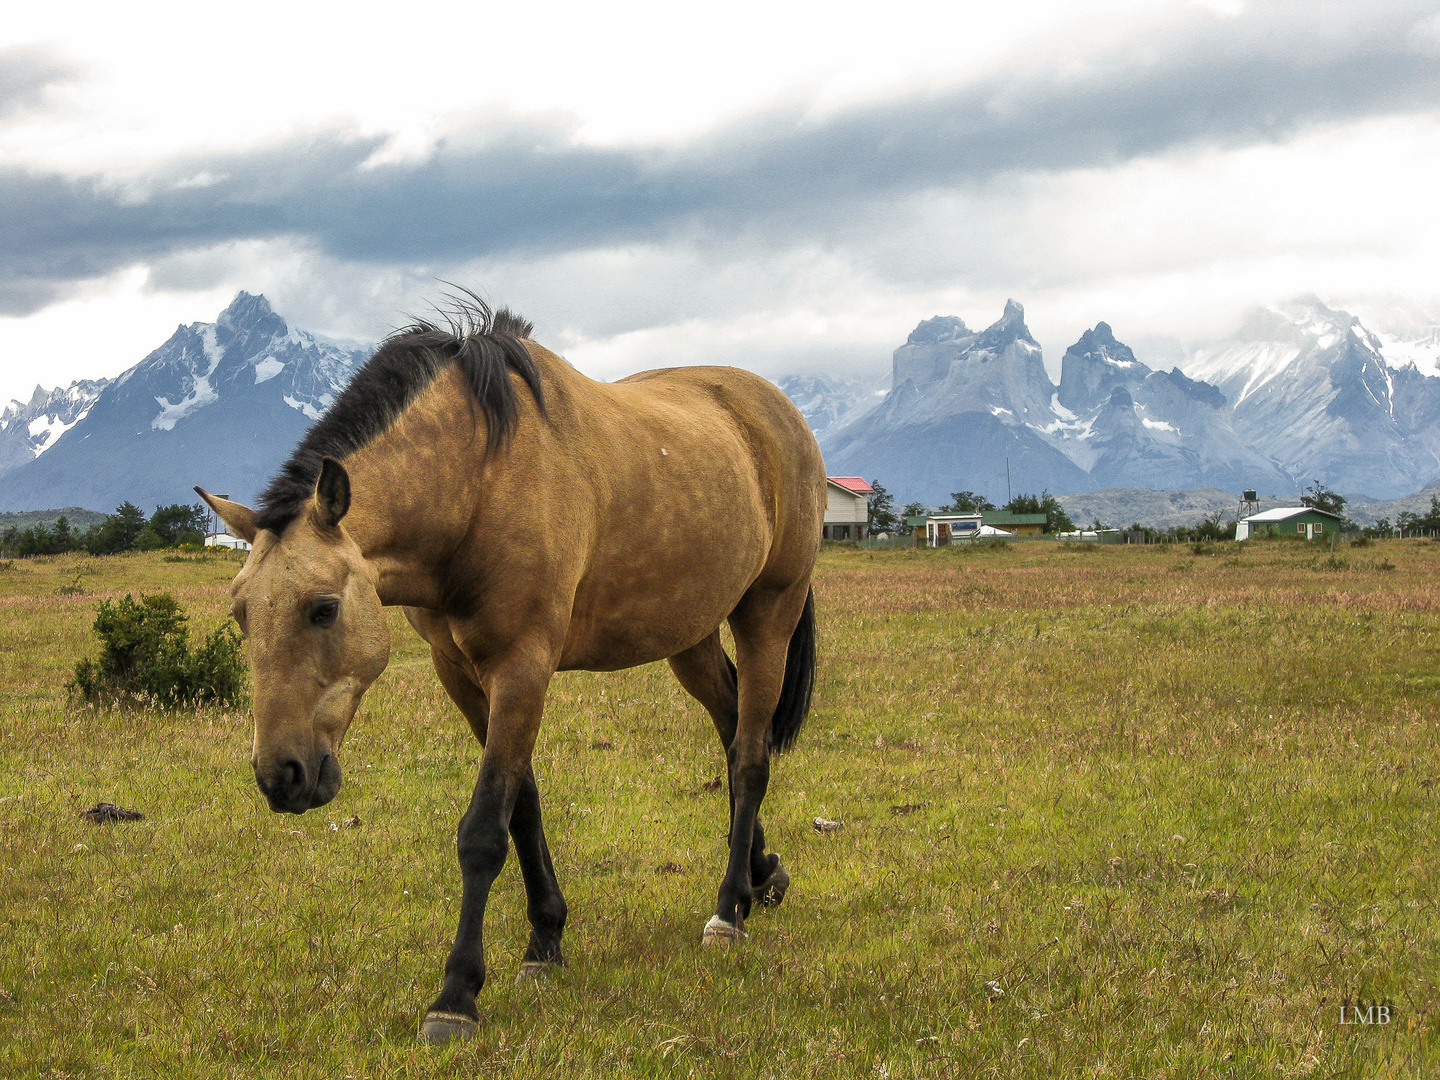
(28, 429)
(1145, 428)
(220, 404)
(1310, 387)
(1300, 393)
(831, 401)
(964, 408)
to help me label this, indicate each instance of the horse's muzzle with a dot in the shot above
(292, 788)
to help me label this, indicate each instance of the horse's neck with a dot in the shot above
(414, 492)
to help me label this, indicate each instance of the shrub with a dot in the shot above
(146, 659)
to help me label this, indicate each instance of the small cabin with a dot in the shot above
(847, 508)
(1015, 524)
(1304, 521)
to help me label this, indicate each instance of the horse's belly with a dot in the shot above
(609, 644)
(620, 628)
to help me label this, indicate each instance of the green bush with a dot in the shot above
(146, 659)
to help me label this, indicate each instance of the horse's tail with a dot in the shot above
(794, 703)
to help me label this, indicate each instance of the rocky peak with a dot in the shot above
(248, 326)
(1010, 328)
(1095, 364)
(937, 331)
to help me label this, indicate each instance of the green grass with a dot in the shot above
(1165, 813)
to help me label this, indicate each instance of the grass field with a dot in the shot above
(1107, 812)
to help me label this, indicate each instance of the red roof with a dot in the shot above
(856, 484)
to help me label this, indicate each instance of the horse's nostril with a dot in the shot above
(292, 775)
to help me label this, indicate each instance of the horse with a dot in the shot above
(691, 497)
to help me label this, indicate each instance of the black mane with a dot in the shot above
(485, 344)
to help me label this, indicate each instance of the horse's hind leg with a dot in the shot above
(708, 675)
(545, 906)
(772, 626)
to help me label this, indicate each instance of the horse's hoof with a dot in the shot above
(532, 971)
(771, 891)
(719, 932)
(439, 1028)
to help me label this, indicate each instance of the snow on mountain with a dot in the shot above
(219, 404)
(1311, 388)
(968, 410)
(28, 429)
(965, 402)
(831, 401)
(1421, 352)
(1140, 427)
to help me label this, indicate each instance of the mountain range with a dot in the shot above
(1299, 393)
(219, 404)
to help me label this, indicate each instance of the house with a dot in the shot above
(225, 540)
(941, 530)
(847, 510)
(1303, 521)
(1015, 524)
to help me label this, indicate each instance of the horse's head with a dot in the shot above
(306, 601)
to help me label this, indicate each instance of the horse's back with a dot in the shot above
(775, 437)
(705, 480)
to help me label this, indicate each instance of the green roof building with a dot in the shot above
(1019, 524)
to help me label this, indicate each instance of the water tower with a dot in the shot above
(1249, 504)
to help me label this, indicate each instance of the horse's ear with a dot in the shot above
(238, 518)
(332, 493)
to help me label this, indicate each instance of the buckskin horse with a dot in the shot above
(693, 496)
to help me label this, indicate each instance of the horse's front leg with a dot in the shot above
(482, 845)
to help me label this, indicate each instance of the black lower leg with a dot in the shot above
(545, 906)
(762, 864)
(482, 846)
(747, 784)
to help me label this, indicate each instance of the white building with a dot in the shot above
(225, 540)
(847, 510)
(944, 529)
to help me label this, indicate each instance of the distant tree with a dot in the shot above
(118, 532)
(178, 524)
(1214, 527)
(1429, 521)
(1382, 528)
(914, 510)
(40, 539)
(1319, 497)
(881, 509)
(1056, 520)
(65, 538)
(967, 502)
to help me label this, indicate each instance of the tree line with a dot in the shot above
(125, 530)
(884, 517)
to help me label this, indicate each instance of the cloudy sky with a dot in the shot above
(790, 187)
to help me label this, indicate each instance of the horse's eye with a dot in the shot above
(323, 609)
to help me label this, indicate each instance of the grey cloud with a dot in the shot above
(25, 73)
(783, 175)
